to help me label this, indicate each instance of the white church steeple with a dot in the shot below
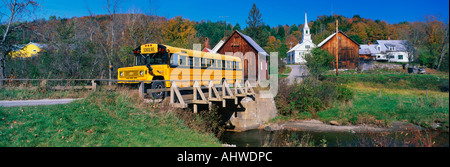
(306, 31)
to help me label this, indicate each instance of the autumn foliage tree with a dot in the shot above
(86, 47)
(179, 32)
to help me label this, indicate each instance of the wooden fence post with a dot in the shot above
(94, 85)
(141, 90)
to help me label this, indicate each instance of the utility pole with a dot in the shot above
(337, 48)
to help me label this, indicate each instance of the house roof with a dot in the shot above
(368, 49)
(249, 41)
(19, 47)
(217, 47)
(299, 45)
(40, 45)
(364, 51)
(295, 47)
(207, 50)
(400, 45)
(331, 36)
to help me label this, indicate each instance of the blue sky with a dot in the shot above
(274, 12)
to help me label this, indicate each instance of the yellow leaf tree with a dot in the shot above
(179, 32)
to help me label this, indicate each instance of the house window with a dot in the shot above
(400, 57)
(307, 46)
(391, 48)
(378, 48)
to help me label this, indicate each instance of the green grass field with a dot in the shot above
(102, 119)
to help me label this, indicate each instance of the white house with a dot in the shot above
(388, 50)
(296, 55)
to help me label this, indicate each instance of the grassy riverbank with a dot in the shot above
(101, 119)
(368, 107)
(410, 98)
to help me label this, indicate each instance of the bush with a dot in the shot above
(310, 96)
(444, 86)
(318, 62)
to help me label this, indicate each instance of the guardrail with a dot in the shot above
(176, 98)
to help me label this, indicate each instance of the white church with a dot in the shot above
(297, 54)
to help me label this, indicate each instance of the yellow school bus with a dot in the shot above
(157, 62)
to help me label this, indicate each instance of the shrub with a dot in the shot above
(444, 86)
(310, 96)
(318, 62)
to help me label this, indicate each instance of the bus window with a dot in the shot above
(217, 63)
(204, 62)
(174, 60)
(234, 65)
(183, 61)
(223, 64)
(196, 62)
(237, 65)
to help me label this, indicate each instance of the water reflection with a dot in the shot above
(257, 138)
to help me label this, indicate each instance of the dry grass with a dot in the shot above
(361, 86)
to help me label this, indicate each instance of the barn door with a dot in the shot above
(347, 58)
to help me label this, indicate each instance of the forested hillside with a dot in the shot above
(86, 47)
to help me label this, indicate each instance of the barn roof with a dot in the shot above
(331, 36)
(249, 41)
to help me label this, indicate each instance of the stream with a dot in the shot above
(258, 138)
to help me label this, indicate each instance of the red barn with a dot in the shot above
(348, 50)
(244, 47)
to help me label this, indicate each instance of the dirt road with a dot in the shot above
(13, 103)
(298, 73)
(319, 126)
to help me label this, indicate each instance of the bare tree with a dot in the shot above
(111, 7)
(444, 45)
(16, 9)
(415, 38)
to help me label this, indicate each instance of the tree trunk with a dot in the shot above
(444, 48)
(2, 69)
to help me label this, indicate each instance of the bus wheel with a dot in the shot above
(158, 85)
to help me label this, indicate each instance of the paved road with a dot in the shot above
(298, 72)
(14, 103)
